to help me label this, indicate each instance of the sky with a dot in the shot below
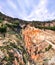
(38, 10)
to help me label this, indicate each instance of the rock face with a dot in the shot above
(39, 44)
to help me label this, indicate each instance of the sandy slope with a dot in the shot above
(36, 41)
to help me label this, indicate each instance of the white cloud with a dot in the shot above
(38, 11)
(23, 5)
(41, 12)
(15, 12)
(12, 4)
(0, 8)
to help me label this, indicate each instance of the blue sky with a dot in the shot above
(29, 9)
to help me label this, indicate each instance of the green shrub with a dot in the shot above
(3, 28)
(49, 47)
(1, 20)
(16, 22)
(50, 28)
(12, 25)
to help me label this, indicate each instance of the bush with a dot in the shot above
(3, 28)
(12, 25)
(1, 20)
(50, 28)
(16, 22)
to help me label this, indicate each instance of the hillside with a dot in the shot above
(23, 43)
(33, 23)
